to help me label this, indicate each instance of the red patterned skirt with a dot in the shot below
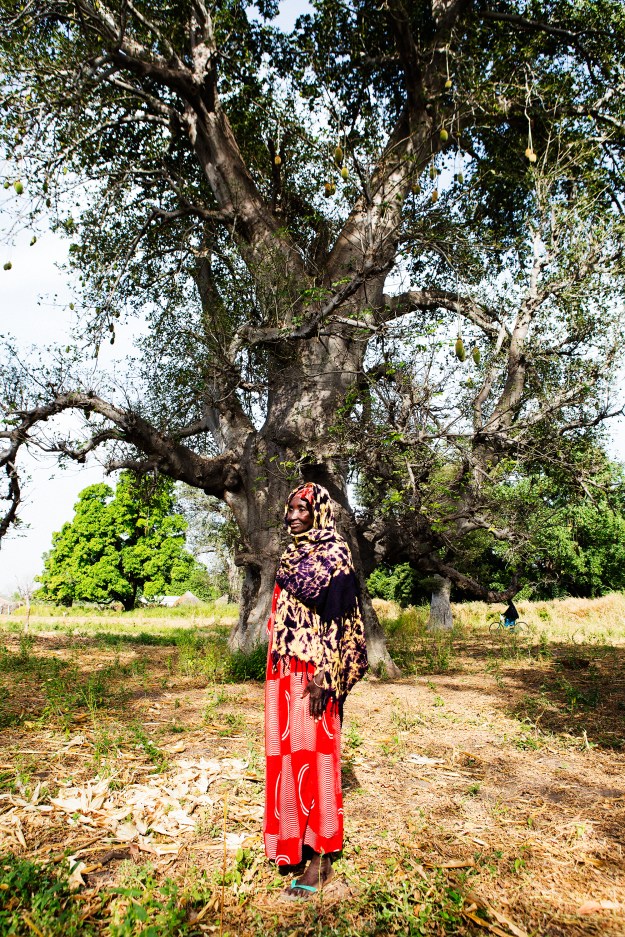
(303, 798)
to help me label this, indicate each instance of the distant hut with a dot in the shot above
(173, 601)
(7, 606)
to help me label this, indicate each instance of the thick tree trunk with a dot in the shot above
(440, 607)
(258, 583)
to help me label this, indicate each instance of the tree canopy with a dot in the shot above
(386, 246)
(568, 542)
(119, 546)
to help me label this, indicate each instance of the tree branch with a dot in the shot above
(429, 300)
(214, 475)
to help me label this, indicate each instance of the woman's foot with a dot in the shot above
(318, 874)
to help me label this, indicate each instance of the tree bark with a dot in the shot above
(440, 607)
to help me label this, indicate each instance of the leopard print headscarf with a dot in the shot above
(318, 619)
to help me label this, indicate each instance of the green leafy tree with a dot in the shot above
(120, 545)
(568, 540)
(388, 244)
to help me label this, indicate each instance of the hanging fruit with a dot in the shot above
(329, 189)
(416, 189)
(338, 155)
(6, 183)
(448, 84)
(531, 155)
(434, 196)
(277, 159)
(460, 177)
(7, 265)
(344, 172)
(459, 348)
(18, 186)
(444, 135)
(33, 240)
(433, 172)
(476, 355)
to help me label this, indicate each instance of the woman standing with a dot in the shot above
(317, 652)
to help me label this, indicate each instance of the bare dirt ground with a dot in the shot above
(487, 798)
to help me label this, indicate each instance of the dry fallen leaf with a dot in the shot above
(76, 868)
(593, 907)
(422, 760)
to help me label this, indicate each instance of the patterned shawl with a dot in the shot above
(317, 618)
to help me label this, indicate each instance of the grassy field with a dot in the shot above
(484, 789)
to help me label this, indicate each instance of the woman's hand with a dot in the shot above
(317, 699)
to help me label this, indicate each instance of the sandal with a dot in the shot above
(306, 891)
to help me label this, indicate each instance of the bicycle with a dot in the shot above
(511, 627)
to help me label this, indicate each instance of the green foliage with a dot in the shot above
(395, 584)
(205, 585)
(38, 894)
(251, 666)
(570, 539)
(119, 546)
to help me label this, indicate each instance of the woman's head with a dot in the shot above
(299, 515)
(309, 507)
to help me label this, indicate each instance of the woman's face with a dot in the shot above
(299, 515)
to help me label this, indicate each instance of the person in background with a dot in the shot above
(510, 616)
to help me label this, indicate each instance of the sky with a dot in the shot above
(34, 307)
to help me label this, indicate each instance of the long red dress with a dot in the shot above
(304, 803)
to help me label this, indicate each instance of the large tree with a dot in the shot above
(308, 222)
(118, 546)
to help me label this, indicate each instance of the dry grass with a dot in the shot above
(484, 790)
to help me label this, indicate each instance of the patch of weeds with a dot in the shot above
(216, 699)
(141, 905)
(438, 653)
(353, 738)
(530, 709)
(474, 789)
(8, 717)
(253, 666)
(406, 722)
(422, 907)
(176, 727)
(202, 654)
(576, 696)
(37, 899)
(234, 722)
(104, 745)
(380, 669)
(518, 865)
(543, 651)
(438, 700)
(529, 738)
(25, 661)
(490, 862)
(243, 860)
(154, 753)
(63, 695)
